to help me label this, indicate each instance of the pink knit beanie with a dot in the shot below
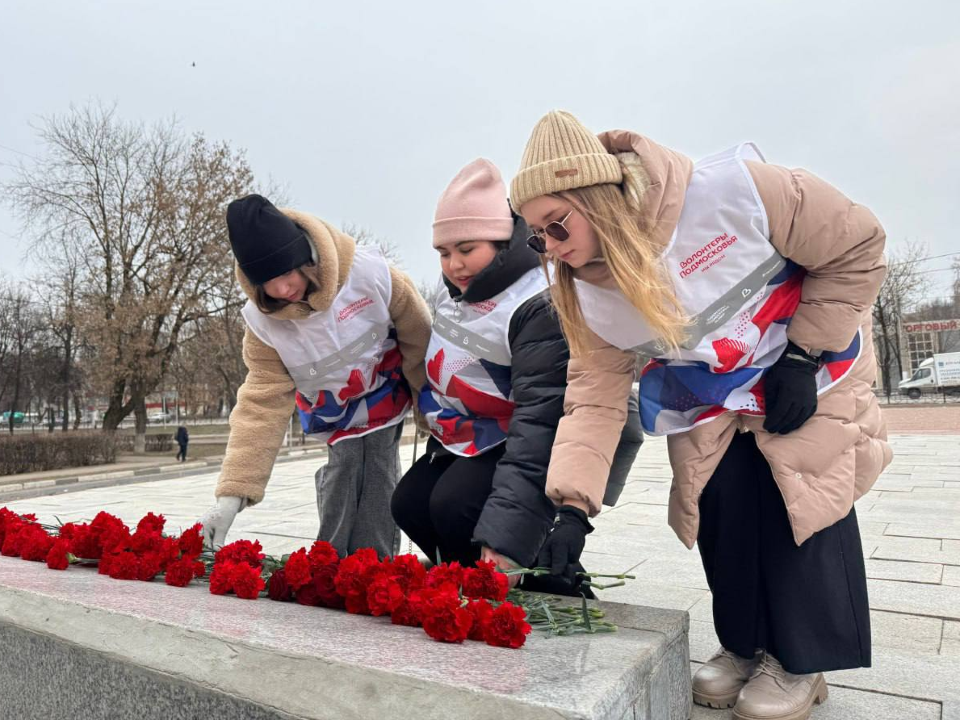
(473, 207)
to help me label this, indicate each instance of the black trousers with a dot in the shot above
(439, 500)
(182, 454)
(807, 605)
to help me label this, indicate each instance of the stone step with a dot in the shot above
(91, 647)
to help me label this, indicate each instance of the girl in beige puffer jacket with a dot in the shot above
(750, 286)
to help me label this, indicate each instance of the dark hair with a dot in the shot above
(268, 305)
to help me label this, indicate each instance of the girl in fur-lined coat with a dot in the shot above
(338, 334)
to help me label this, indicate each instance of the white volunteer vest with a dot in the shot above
(336, 356)
(468, 399)
(739, 292)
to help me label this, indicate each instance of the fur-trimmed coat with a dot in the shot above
(266, 399)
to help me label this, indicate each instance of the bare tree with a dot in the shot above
(956, 283)
(430, 292)
(6, 335)
(142, 209)
(902, 288)
(209, 368)
(60, 305)
(23, 331)
(367, 238)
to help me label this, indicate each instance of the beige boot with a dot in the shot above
(718, 682)
(774, 694)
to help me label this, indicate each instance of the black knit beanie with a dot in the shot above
(266, 243)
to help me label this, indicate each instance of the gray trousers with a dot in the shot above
(354, 490)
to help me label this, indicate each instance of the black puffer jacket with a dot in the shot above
(518, 515)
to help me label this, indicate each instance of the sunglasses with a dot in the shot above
(555, 229)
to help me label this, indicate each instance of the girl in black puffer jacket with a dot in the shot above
(496, 375)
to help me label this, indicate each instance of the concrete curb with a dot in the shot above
(59, 486)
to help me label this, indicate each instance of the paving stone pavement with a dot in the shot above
(910, 523)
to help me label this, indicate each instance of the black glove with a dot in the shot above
(790, 390)
(563, 545)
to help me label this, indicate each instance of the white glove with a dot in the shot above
(217, 520)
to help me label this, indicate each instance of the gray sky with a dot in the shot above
(365, 110)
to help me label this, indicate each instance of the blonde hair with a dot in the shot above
(633, 262)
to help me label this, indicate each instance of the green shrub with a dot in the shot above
(52, 451)
(153, 443)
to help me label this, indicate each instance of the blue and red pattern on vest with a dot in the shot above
(691, 392)
(334, 411)
(485, 418)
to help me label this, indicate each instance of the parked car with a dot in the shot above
(160, 417)
(18, 418)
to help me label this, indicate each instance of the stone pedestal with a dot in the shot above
(75, 644)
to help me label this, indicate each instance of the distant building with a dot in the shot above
(921, 338)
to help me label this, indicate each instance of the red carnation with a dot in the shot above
(169, 551)
(445, 574)
(241, 551)
(84, 542)
(409, 572)
(57, 557)
(384, 595)
(324, 581)
(151, 523)
(146, 540)
(408, 612)
(444, 618)
(191, 541)
(180, 572)
(124, 566)
(507, 626)
(308, 595)
(35, 543)
(11, 541)
(481, 611)
(354, 571)
(7, 517)
(149, 566)
(112, 535)
(322, 553)
(247, 581)
(105, 521)
(220, 578)
(356, 603)
(297, 569)
(115, 539)
(278, 588)
(484, 581)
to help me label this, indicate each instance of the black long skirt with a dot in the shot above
(807, 606)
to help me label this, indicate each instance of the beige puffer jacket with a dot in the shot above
(837, 455)
(267, 397)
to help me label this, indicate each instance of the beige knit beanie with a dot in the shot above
(561, 155)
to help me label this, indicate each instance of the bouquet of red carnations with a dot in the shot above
(109, 544)
(451, 603)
